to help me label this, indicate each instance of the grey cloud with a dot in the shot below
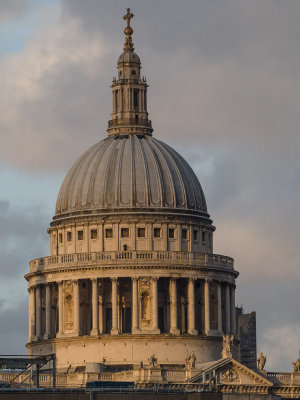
(13, 332)
(13, 9)
(23, 237)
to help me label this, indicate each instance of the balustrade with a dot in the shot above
(107, 258)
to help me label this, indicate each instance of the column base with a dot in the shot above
(94, 332)
(193, 332)
(59, 334)
(155, 331)
(47, 336)
(114, 331)
(135, 331)
(174, 331)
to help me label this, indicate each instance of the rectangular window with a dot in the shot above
(80, 235)
(156, 232)
(184, 234)
(125, 232)
(203, 236)
(135, 98)
(195, 235)
(69, 236)
(171, 233)
(60, 238)
(141, 232)
(108, 233)
(94, 233)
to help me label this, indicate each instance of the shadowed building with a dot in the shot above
(246, 335)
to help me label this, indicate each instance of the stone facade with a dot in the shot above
(131, 275)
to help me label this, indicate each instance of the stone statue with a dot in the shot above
(296, 365)
(261, 361)
(190, 361)
(227, 343)
(153, 361)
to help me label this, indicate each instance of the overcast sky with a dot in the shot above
(224, 91)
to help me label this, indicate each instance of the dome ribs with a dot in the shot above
(146, 182)
(132, 196)
(180, 190)
(130, 172)
(95, 184)
(152, 165)
(191, 180)
(111, 152)
(169, 198)
(187, 176)
(88, 180)
(124, 171)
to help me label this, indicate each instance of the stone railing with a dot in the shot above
(115, 258)
(129, 121)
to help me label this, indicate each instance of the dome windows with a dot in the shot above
(156, 232)
(94, 234)
(141, 232)
(171, 233)
(184, 233)
(108, 233)
(124, 232)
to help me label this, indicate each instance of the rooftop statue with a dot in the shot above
(261, 361)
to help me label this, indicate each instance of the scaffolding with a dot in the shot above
(25, 362)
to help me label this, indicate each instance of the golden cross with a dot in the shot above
(128, 16)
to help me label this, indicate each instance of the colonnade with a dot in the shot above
(225, 320)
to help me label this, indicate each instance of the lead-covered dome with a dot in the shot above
(130, 172)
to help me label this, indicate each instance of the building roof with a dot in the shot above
(130, 172)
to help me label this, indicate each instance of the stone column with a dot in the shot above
(191, 307)
(48, 312)
(154, 306)
(206, 307)
(134, 307)
(227, 308)
(173, 307)
(60, 308)
(38, 312)
(219, 297)
(76, 305)
(114, 305)
(232, 310)
(95, 308)
(31, 312)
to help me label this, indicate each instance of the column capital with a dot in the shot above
(154, 278)
(135, 278)
(31, 288)
(192, 278)
(60, 283)
(173, 279)
(114, 279)
(94, 280)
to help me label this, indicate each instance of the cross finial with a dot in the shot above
(128, 16)
(128, 45)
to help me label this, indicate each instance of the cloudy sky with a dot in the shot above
(224, 91)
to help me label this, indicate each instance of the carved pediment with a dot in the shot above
(230, 376)
(229, 371)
